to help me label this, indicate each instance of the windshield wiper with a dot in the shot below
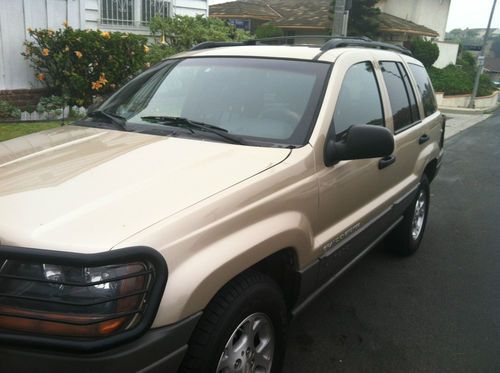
(190, 124)
(117, 120)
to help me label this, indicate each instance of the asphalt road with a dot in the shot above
(437, 311)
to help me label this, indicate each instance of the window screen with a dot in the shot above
(359, 100)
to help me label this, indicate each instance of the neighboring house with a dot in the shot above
(400, 20)
(298, 17)
(432, 14)
(16, 16)
(492, 68)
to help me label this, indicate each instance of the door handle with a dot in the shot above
(423, 139)
(386, 161)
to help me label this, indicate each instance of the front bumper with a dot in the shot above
(158, 350)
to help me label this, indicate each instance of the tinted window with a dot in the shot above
(400, 95)
(425, 87)
(415, 114)
(359, 99)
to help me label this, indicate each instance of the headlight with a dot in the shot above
(48, 296)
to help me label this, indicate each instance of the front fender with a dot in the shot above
(194, 282)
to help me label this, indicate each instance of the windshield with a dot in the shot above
(266, 100)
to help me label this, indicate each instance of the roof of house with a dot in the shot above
(492, 64)
(393, 24)
(311, 14)
(244, 9)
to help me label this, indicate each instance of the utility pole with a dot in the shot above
(339, 18)
(480, 59)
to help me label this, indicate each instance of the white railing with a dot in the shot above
(130, 13)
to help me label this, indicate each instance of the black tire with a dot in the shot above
(402, 240)
(248, 294)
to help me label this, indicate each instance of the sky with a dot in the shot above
(463, 13)
(472, 14)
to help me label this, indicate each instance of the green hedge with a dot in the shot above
(426, 52)
(79, 64)
(457, 80)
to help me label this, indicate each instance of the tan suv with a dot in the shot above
(183, 223)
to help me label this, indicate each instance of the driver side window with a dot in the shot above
(359, 100)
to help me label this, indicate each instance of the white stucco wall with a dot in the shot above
(447, 54)
(16, 16)
(462, 101)
(430, 13)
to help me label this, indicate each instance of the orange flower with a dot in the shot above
(65, 24)
(146, 49)
(105, 34)
(78, 54)
(45, 52)
(102, 79)
(40, 76)
(96, 86)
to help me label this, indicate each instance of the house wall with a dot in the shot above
(447, 54)
(16, 16)
(430, 13)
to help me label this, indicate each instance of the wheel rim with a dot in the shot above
(418, 216)
(250, 347)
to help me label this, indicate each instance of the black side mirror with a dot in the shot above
(361, 142)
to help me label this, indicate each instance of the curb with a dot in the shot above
(460, 110)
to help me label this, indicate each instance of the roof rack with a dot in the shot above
(362, 42)
(332, 42)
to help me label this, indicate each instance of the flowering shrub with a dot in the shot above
(80, 64)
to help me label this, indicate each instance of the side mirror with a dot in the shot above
(361, 142)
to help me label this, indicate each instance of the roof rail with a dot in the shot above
(216, 44)
(362, 42)
(332, 42)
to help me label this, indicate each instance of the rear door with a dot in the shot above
(407, 126)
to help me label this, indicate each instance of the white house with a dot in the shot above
(16, 16)
(430, 13)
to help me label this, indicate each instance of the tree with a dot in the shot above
(363, 20)
(183, 32)
(425, 51)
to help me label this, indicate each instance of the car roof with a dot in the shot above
(307, 53)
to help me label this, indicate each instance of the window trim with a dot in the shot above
(136, 22)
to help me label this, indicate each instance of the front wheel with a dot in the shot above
(406, 237)
(241, 330)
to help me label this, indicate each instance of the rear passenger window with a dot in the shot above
(402, 98)
(359, 100)
(425, 87)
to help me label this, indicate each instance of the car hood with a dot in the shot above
(86, 189)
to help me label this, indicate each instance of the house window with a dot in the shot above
(133, 12)
(152, 8)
